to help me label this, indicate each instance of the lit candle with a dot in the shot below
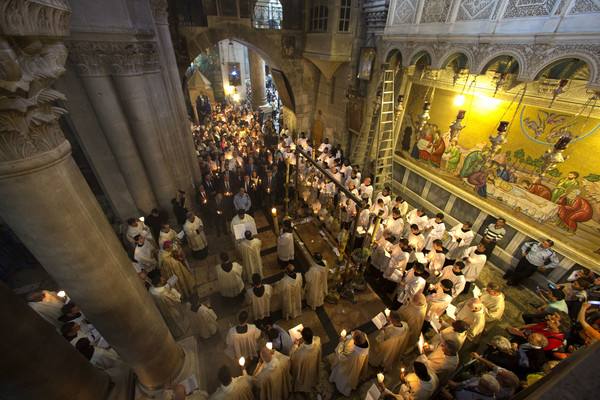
(380, 377)
(275, 221)
(343, 333)
(242, 361)
(402, 370)
(142, 219)
(421, 341)
(269, 345)
(387, 312)
(61, 294)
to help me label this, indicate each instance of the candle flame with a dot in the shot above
(387, 312)
(270, 346)
(142, 219)
(242, 361)
(274, 211)
(343, 333)
(61, 293)
(380, 377)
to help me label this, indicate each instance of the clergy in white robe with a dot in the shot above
(474, 258)
(48, 306)
(168, 302)
(169, 266)
(380, 209)
(145, 253)
(272, 375)
(285, 245)
(194, 232)
(414, 282)
(229, 277)
(434, 229)
(456, 333)
(305, 358)
(135, 227)
(242, 339)
(366, 188)
(381, 256)
(100, 358)
(438, 301)
(385, 196)
(260, 298)
(249, 248)
(204, 322)
(168, 234)
(290, 288)
(389, 344)
(401, 205)
(417, 217)
(442, 361)
(316, 282)
(420, 385)
(471, 312)
(413, 314)
(460, 238)
(436, 259)
(242, 218)
(493, 301)
(454, 274)
(416, 241)
(351, 362)
(398, 261)
(395, 224)
(238, 388)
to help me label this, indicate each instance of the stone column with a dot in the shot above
(130, 63)
(257, 80)
(47, 203)
(88, 59)
(38, 363)
(174, 86)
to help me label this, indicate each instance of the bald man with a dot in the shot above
(272, 375)
(390, 343)
(413, 314)
(350, 364)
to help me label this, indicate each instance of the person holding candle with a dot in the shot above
(417, 217)
(137, 227)
(460, 238)
(285, 244)
(455, 274)
(305, 358)
(414, 282)
(442, 361)
(416, 241)
(390, 343)
(413, 314)
(434, 230)
(47, 305)
(238, 388)
(474, 258)
(395, 223)
(219, 213)
(272, 375)
(350, 364)
(419, 385)
(437, 302)
(316, 282)
(194, 232)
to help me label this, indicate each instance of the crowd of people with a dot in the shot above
(420, 261)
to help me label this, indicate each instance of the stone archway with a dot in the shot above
(267, 44)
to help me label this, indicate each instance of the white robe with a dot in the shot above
(261, 306)
(413, 285)
(240, 388)
(475, 320)
(140, 229)
(474, 263)
(168, 302)
(455, 248)
(49, 308)
(230, 283)
(306, 365)
(436, 232)
(458, 281)
(316, 285)
(381, 258)
(291, 296)
(417, 242)
(242, 344)
(145, 255)
(350, 366)
(170, 236)
(441, 364)
(273, 380)
(285, 246)
(416, 389)
(395, 226)
(413, 218)
(241, 221)
(195, 236)
(250, 250)
(436, 305)
(494, 307)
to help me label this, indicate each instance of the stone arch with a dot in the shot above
(389, 53)
(561, 57)
(418, 53)
(482, 67)
(265, 43)
(465, 59)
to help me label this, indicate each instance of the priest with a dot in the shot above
(168, 302)
(241, 339)
(242, 219)
(350, 365)
(249, 248)
(316, 282)
(442, 361)
(194, 231)
(413, 314)
(272, 375)
(290, 288)
(260, 298)
(390, 343)
(493, 301)
(170, 265)
(305, 358)
(145, 253)
(239, 388)
(229, 277)
(285, 245)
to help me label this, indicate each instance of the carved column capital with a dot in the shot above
(159, 11)
(32, 57)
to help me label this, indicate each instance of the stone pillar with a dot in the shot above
(257, 80)
(47, 203)
(38, 363)
(173, 84)
(107, 107)
(130, 63)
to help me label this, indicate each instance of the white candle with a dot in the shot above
(421, 344)
(61, 293)
(242, 361)
(380, 377)
(387, 312)
(343, 333)
(270, 346)
(142, 219)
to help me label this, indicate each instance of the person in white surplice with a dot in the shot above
(194, 232)
(242, 218)
(306, 361)
(290, 288)
(285, 245)
(241, 339)
(316, 282)
(239, 388)
(260, 298)
(434, 229)
(48, 305)
(351, 362)
(249, 247)
(229, 276)
(272, 375)
(460, 238)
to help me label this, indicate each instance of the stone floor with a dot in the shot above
(326, 321)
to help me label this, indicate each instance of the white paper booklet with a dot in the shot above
(380, 320)
(476, 291)
(295, 332)
(451, 311)
(172, 280)
(373, 393)
(190, 384)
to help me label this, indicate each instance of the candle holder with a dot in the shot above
(457, 126)
(551, 158)
(499, 138)
(360, 257)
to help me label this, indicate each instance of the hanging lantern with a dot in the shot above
(553, 157)
(559, 90)
(456, 126)
(500, 83)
